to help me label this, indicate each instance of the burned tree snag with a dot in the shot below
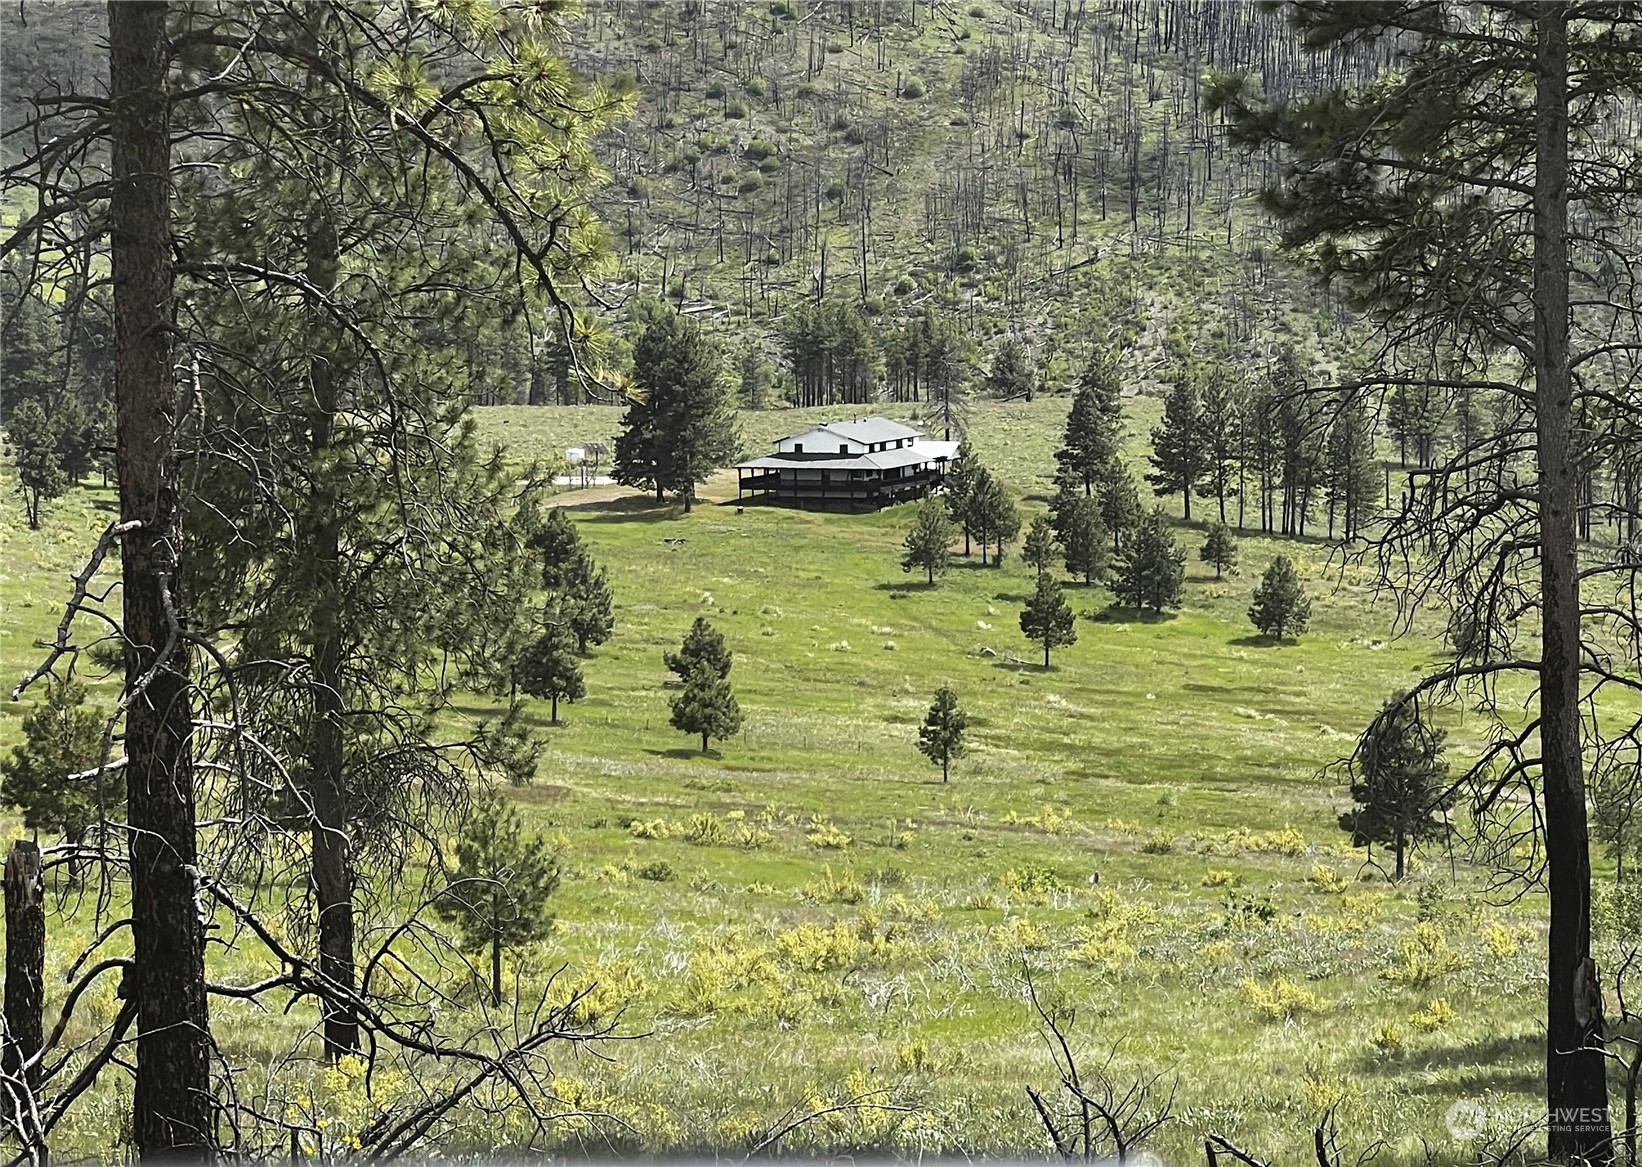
(25, 962)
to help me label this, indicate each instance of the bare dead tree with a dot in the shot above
(1095, 1117)
(877, 1099)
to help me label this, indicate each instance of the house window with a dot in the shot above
(843, 447)
(798, 447)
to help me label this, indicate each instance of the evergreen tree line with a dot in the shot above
(1267, 445)
(1273, 451)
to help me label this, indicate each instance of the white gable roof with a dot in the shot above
(865, 432)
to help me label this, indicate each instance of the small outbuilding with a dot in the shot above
(860, 465)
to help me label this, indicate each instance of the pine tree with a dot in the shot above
(1093, 436)
(355, 564)
(754, 390)
(1353, 482)
(578, 588)
(636, 458)
(703, 645)
(1005, 521)
(684, 428)
(980, 501)
(1399, 782)
(1011, 375)
(707, 706)
(172, 1113)
(59, 738)
(929, 543)
(1397, 182)
(1616, 815)
(1260, 452)
(497, 895)
(586, 602)
(1067, 491)
(1047, 617)
(1152, 572)
(1219, 549)
(941, 737)
(324, 406)
(1038, 550)
(77, 434)
(1179, 446)
(558, 542)
(35, 440)
(31, 351)
(1120, 508)
(549, 668)
(1084, 539)
(1280, 604)
(959, 485)
(1221, 419)
(1301, 425)
(992, 515)
(1414, 416)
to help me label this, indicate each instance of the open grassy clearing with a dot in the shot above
(808, 910)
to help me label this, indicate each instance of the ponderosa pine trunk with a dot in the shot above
(332, 845)
(172, 1105)
(1575, 1081)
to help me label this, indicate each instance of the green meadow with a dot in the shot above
(806, 914)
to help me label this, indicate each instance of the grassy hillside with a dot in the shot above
(807, 913)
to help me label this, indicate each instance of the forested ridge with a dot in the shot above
(1043, 171)
(1044, 168)
(347, 745)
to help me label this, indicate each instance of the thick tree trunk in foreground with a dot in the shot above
(25, 961)
(1575, 1080)
(172, 1097)
(332, 845)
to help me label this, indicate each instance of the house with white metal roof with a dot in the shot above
(859, 465)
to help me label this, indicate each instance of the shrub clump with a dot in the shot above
(1283, 1000)
(1437, 1014)
(1032, 884)
(824, 834)
(834, 889)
